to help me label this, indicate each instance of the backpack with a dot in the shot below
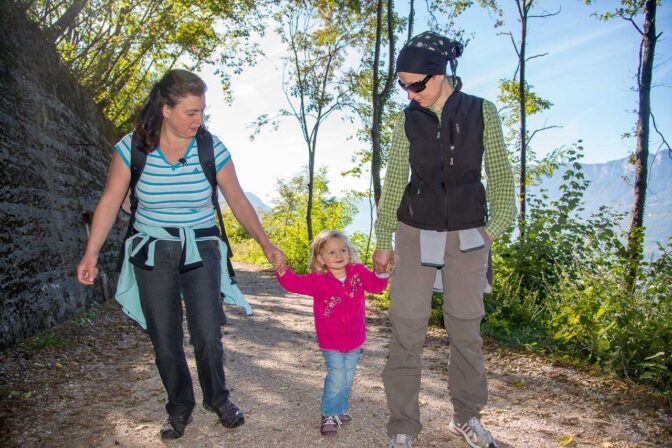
(206, 155)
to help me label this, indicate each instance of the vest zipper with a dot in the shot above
(451, 140)
(451, 143)
(443, 176)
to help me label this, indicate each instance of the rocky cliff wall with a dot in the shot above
(55, 147)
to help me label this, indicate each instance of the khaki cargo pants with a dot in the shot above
(464, 279)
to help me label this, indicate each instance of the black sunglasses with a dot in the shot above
(417, 86)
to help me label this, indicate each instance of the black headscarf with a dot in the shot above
(428, 53)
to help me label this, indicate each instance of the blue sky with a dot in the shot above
(587, 75)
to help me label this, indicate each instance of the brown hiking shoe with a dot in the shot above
(174, 427)
(329, 425)
(229, 415)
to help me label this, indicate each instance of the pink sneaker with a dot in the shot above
(329, 425)
(345, 419)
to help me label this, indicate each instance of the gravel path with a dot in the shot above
(95, 385)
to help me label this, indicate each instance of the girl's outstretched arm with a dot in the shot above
(298, 284)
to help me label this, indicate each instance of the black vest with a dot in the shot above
(445, 190)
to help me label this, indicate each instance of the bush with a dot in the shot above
(626, 333)
(562, 287)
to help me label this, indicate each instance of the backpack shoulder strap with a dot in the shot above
(138, 160)
(206, 156)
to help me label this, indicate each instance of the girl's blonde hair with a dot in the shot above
(318, 244)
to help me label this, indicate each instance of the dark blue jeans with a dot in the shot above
(161, 290)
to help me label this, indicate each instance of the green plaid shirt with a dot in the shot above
(500, 192)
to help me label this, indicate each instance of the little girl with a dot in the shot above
(337, 285)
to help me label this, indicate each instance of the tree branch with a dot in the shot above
(536, 56)
(513, 41)
(632, 21)
(539, 130)
(545, 15)
(660, 134)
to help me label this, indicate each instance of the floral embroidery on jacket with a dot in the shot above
(355, 284)
(330, 303)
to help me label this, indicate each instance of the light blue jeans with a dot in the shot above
(338, 382)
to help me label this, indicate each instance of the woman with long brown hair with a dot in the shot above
(175, 251)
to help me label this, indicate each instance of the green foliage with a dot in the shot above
(626, 333)
(286, 226)
(117, 49)
(317, 36)
(509, 97)
(562, 288)
(364, 246)
(285, 223)
(42, 341)
(451, 9)
(628, 9)
(593, 319)
(87, 318)
(554, 233)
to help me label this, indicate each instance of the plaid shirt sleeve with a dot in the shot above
(396, 178)
(500, 192)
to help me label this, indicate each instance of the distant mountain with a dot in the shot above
(611, 184)
(257, 203)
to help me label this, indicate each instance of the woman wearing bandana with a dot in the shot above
(444, 221)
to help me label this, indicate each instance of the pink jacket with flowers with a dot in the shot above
(338, 307)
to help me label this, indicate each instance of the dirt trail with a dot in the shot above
(95, 385)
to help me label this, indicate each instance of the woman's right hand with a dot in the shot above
(103, 218)
(383, 261)
(87, 269)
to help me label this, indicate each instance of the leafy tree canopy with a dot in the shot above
(118, 48)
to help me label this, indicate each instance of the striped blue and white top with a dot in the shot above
(174, 195)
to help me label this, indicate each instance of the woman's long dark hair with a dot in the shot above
(174, 85)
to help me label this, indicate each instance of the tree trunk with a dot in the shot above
(375, 103)
(311, 185)
(380, 98)
(636, 234)
(411, 19)
(523, 115)
(375, 155)
(67, 19)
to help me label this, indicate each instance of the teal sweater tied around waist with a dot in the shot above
(128, 294)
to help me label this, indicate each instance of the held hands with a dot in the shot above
(276, 257)
(383, 261)
(280, 266)
(87, 269)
